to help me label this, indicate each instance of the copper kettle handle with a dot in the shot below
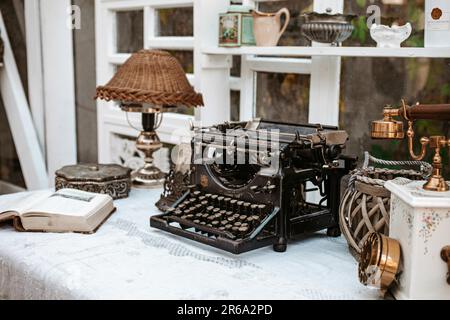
(445, 255)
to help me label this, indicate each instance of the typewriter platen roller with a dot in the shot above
(250, 183)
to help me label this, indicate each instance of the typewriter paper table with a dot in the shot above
(126, 259)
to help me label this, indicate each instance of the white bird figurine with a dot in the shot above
(390, 37)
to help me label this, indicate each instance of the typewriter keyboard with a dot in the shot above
(214, 215)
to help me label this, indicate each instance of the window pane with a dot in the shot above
(283, 97)
(292, 36)
(236, 69)
(235, 105)
(176, 22)
(186, 59)
(130, 31)
(392, 11)
(10, 169)
(367, 88)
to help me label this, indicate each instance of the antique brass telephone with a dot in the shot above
(389, 128)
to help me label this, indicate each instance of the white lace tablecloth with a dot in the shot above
(126, 259)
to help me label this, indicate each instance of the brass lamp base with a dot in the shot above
(148, 177)
(436, 183)
(148, 142)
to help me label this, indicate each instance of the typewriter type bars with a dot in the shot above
(241, 207)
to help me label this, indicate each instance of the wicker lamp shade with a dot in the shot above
(152, 77)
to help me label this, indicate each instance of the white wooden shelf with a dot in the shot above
(332, 51)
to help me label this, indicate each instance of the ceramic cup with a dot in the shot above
(268, 30)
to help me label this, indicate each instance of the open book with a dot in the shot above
(66, 210)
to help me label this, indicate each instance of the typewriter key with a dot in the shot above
(197, 193)
(208, 195)
(201, 198)
(237, 224)
(181, 206)
(216, 210)
(204, 203)
(256, 218)
(235, 229)
(203, 223)
(243, 230)
(197, 221)
(215, 223)
(170, 211)
(214, 197)
(211, 218)
(243, 218)
(224, 222)
(193, 208)
(236, 215)
(247, 207)
(210, 208)
(184, 217)
(233, 204)
(222, 228)
(231, 219)
(228, 227)
(209, 225)
(178, 212)
(245, 225)
(190, 217)
(199, 215)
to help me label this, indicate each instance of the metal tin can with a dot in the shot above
(236, 27)
(110, 179)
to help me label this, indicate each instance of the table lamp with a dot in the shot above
(150, 82)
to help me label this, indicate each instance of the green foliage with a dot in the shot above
(361, 31)
(361, 3)
(415, 41)
(445, 90)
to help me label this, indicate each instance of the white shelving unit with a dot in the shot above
(212, 65)
(371, 52)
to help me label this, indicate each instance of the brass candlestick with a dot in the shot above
(389, 128)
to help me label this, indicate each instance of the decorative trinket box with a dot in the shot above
(420, 222)
(111, 179)
(236, 27)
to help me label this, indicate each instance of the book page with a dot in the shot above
(68, 202)
(21, 202)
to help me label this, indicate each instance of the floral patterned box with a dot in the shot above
(420, 221)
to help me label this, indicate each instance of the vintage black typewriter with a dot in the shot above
(250, 183)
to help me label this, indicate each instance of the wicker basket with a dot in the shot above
(365, 205)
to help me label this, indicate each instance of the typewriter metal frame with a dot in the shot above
(307, 153)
